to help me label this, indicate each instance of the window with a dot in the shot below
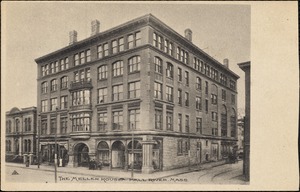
(206, 87)
(134, 64)
(44, 126)
(169, 121)
(117, 68)
(198, 83)
(223, 95)
(168, 47)
(56, 66)
(232, 84)
(63, 125)
(186, 57)
(121, 44)
(158, 119)
(117, 92)
(196, 64)
(81, 122)
(155, 43)
(102, 72)
(43, 71)
(64, 102)
(130, 41)
(88, 55)
(223, 79)
(134, 90)
(81, 97)
(169, 94)
(206, 105)
(186, 99)
(223, 124)
(82, 57)
(187, 124)
(64, 82)
(45, 87)
(179, 122)
(138, 39)
(53, 85)
(46, 69)
(179, 96)
(199, 125)
(179, 74)
(64, 63)
(214, 99)
(114, 46)
(214, 116)
(117, 120)
(233, 125)
(76, 76)
(158, 65)
(52, 67)
(232, 99)
(9, 126)
(178, 53)
(53, 104)
(17, 123)
(102, 121)
(44, 105)
(157, 90)
(198, 103)
(105, 49)
(53, 126)
(179, 147)
(169, 71)
(99, 51)
(76, 59)
(186, 77)
(134, 119)
(102, 95)
(159, 42)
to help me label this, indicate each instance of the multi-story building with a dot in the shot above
(139, 80)
(20, 136)
(246, 67)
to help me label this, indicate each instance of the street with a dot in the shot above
(223, 174)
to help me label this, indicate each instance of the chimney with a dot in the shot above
(95, 26)
(72, 37)
(188, 34)
(226, 63)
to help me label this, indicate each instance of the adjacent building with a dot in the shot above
(20, 136)
(246, 166)
(140, 95)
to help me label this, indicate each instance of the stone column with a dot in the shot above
(110, 155)
(20, 146)
(147, 156)
(126, 156)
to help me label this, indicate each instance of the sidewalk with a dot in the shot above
(84, 171)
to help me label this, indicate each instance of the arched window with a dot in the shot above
(134, 63)
(45, 87)
(53, 85)
(64, 82)
(169, 70)
(9, 126)
(26, 124)
(102, 72)
(117, 68)
(158, 65)
(29, 124)
(29, 145)
(25, 145)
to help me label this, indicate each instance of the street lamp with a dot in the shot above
(132, 148)
(55, 149)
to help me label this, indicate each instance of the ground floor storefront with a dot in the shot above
(145, 153)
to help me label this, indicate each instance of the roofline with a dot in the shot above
(147, 16)
(244, 65)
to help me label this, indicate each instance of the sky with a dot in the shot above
(33, 29)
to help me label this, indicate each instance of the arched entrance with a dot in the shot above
(81, 155)
(103, 153)
(137, 155)
(118, 155)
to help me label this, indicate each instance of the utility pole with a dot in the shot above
(39, 129)
(132, 148)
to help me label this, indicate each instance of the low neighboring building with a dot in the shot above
(20, 137)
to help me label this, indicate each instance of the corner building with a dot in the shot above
(139, 80)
